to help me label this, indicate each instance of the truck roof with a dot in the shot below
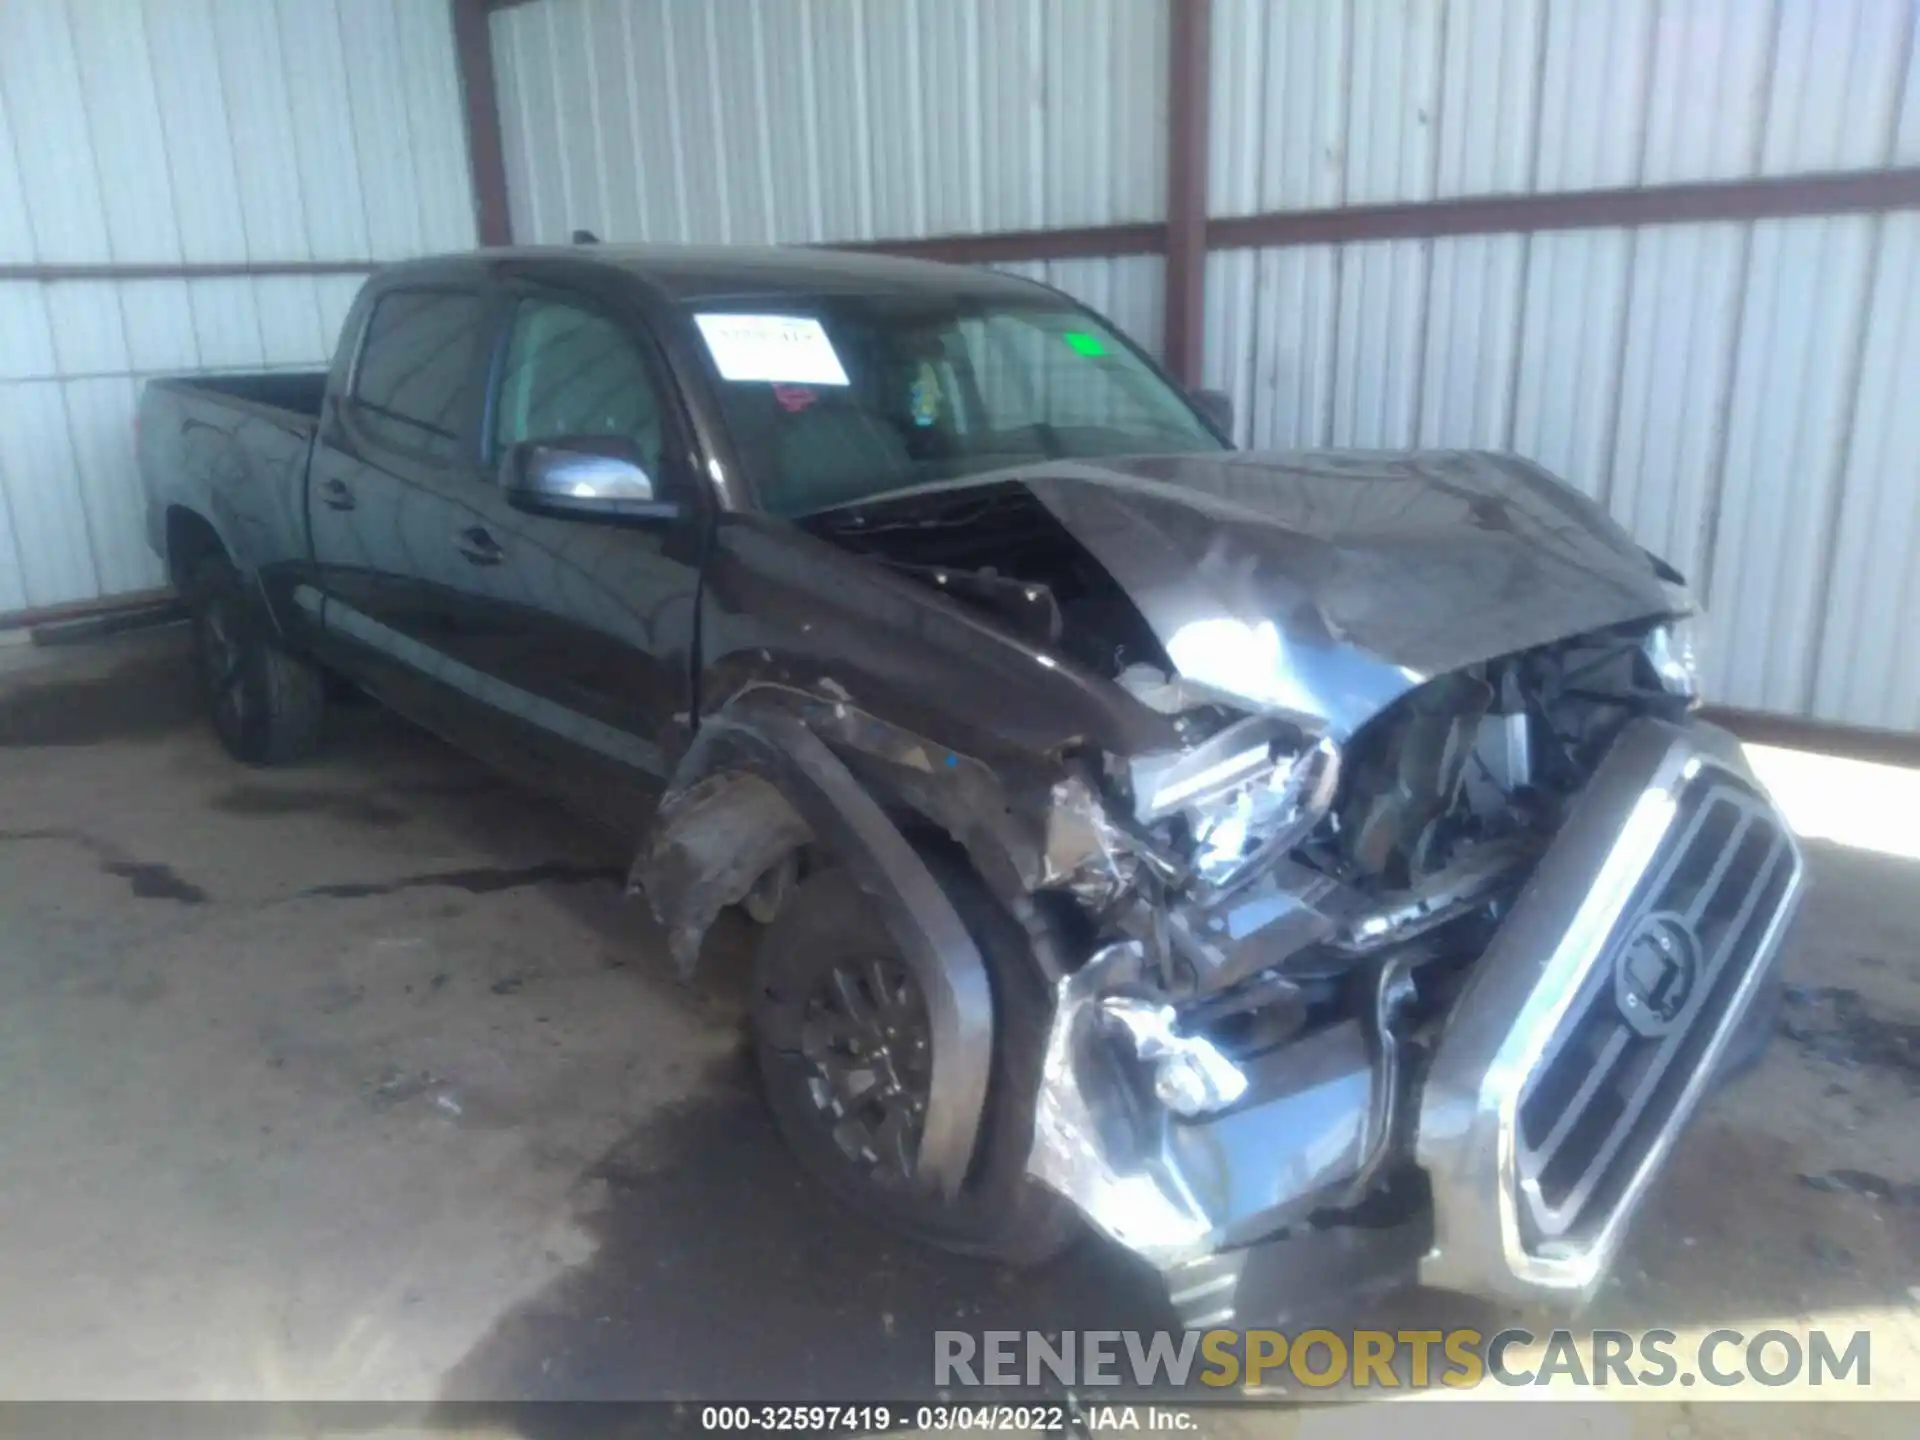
(684, 273)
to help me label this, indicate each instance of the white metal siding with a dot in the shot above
(1790, 424)
(1331, 102)
(1740, 396)
(191, 131)
(1737, 394)
(782, 121)
(801, 121)
(1868, 664)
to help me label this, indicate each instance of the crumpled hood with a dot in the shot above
(1327, 583)
(1320, 584)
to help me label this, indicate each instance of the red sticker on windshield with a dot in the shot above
(793, 398)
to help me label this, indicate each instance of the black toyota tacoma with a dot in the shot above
(1286, 863)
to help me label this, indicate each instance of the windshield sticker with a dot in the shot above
(1082, 342)
(793, 398)
(784, 349)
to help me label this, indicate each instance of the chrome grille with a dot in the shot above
(1661, 989)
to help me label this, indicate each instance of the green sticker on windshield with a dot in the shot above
(1081, 341)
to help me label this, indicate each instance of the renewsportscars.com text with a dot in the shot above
(1416, 1359)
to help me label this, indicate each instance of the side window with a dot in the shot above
(569, 372)
(412, 375)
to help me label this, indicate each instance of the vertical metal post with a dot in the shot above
(473, 54)
(1188, 84)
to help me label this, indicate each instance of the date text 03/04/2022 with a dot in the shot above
(1041, 1419)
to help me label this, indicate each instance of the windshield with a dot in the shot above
(835, 399)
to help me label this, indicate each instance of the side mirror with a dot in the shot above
(1217, 407)
(582, 477)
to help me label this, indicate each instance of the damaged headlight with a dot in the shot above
(1212, 811)
(1674, 648)
(1252, 789)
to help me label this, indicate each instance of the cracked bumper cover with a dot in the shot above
(1584, 1040)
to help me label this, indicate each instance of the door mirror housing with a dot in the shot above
(1217, 407)
(583, 477)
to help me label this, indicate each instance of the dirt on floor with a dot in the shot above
(363, 1080)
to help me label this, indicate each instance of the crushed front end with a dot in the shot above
(1427, 1001)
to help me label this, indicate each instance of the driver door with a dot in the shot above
(578, 632)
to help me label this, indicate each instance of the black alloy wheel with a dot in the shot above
(865, 1036)
(844, 1043)
(266, 704)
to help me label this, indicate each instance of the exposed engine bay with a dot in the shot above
(1413, 827)
(1296, 923)
(1425, 936)
(1262, 867)
(1422, 819)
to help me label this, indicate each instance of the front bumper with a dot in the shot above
(1596, 1021)
(1584, 1039)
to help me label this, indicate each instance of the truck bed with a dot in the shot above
(298, 392)
(232, 451)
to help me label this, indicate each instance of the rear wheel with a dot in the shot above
(846, 1060)
(265, 704)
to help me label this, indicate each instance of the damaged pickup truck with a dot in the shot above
(1307, 869)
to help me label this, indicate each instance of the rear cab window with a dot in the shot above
(414, 374)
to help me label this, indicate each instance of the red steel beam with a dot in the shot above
(473, 54)
(72, 610)
(1831, 193)
(1845, 192)
(1005, 247)
(1826, 737)
(1796, 196)
(1188, 87)
(137, 270)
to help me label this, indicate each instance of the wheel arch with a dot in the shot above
(757, 783)
(190, 538)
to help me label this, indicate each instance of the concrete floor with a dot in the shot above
(361, 1080)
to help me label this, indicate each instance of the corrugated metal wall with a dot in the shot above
(1345, 102)
(166, 132)
(805, 121)
(1740, 396)
(1732, 392)
(778, 121)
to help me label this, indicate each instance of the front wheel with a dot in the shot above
(846, 1061)
(265, 704)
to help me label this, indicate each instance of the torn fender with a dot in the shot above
(753, 787)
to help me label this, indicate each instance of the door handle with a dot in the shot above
(335, 495)
(478, 546)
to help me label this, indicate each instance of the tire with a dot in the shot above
(1000, 1213)
(266, 705)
